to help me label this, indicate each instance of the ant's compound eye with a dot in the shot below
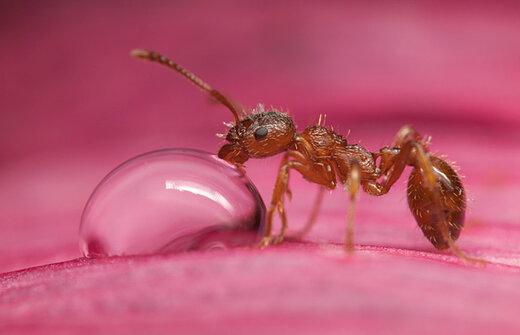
(260, 133)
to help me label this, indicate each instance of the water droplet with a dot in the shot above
(171, 200)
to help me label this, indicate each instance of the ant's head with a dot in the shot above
(260, 134)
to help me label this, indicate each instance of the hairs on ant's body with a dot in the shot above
(435, 193)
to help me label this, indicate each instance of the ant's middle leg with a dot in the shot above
(352, 187)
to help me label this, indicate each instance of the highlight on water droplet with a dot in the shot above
(171, 200)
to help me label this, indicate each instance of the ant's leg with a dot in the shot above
(429, 197)
(321, 173)
(395, 159)
(309, 170)
(317, 172)
(352, 187)
(314, 213)
(447, 198)
(283, 229)
(298, 163)
(280, 188)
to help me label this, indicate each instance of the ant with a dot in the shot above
(435, 193)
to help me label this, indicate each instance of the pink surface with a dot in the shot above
(74, 105)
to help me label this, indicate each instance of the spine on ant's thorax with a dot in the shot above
(328, 143)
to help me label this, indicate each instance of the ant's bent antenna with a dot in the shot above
(157, 57)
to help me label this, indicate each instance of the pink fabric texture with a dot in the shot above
(74, 105)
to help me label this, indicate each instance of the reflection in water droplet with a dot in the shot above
(171, 200)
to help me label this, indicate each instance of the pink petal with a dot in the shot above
(75, 105)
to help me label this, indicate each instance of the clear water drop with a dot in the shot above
(171, 200)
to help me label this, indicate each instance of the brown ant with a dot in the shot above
(436, 196)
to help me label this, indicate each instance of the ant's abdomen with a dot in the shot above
(430, 215)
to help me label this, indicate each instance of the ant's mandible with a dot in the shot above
(436, 196)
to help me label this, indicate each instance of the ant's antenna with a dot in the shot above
(157, 57)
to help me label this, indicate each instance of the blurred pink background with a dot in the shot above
(74, 105)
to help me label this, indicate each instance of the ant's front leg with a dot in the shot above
(314, 171)
(281, 188)
(277, 201)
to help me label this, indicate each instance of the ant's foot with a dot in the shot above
(475, 261)
(265, 242)
(465, 258)
(468, 259)
(349, 248)
(278, 239)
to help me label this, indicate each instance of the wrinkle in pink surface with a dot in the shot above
(74, 105)
(195, 293)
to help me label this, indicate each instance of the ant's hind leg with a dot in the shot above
(435, 193)
(436, 198)
(352, 187)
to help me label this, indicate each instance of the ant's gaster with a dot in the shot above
(435, 193)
